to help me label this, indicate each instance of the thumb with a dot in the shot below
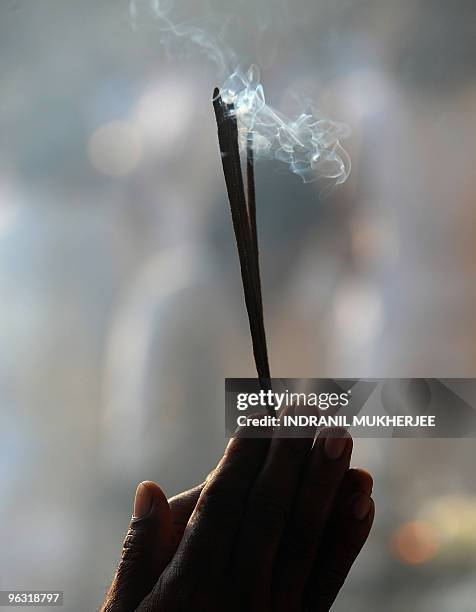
(146, 551)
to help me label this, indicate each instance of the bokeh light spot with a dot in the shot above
(161, 113)
(115, 149)
(358, 312)
(415, 543)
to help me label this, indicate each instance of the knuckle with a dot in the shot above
(220, 485)
(135, 544)
(231, 478)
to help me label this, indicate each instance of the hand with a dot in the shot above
(276, 527)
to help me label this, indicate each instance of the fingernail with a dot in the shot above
(142, 502)
(361, 507)
(334, 446)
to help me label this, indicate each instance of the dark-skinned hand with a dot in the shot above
(276, 527)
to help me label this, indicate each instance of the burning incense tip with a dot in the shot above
(308, 143)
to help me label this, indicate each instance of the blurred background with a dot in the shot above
(121, 307)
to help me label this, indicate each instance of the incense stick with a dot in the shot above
(243, 213)
(251, 201)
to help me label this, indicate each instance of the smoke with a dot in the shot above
(188, 37)
(309, 144)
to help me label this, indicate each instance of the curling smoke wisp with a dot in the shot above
(308, 143)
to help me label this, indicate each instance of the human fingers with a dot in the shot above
(205, 551)
(323, 475)
(347, 533)
(146, 550)
(267, 509)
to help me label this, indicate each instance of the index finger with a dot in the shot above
(216, 518)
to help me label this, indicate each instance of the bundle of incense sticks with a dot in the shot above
(243, 214)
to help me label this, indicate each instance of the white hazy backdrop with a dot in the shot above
(121, 309)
